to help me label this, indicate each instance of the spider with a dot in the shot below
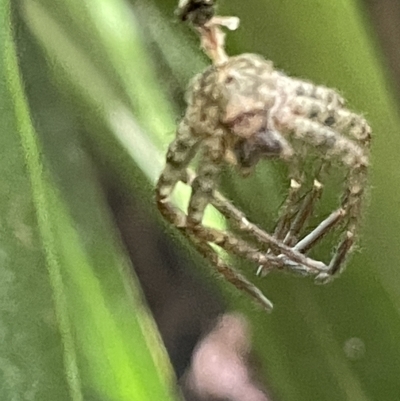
(241, 110)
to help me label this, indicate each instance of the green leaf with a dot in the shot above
(73, 320)
(338, 342)
(330, 43)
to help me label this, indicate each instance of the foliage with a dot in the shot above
(72, 322)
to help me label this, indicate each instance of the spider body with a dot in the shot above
(241, 110)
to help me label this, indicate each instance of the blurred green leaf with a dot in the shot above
(122, 69)
(331, 43)
(74, 323)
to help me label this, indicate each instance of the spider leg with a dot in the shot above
(203, 194)
(207, 176)
(343, 121)
(353, 124)
(334, 145)
(290, 206)
(352, 205)
(323, 105)
(304, 212)
(339, 119)
(229, 273)
(234, 277)
(180, 152)
(300, 220)
(299, 262)
(301, 88)
(319, 232)
(297, 209)
(329, 142)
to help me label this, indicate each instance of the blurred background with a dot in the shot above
(91, 93)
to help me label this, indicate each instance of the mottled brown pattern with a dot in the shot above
(241, 110)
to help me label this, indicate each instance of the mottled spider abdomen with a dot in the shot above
(235, 99)
(242, 90)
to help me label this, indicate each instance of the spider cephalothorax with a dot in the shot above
(241, 110)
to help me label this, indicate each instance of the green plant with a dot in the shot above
(104, 75)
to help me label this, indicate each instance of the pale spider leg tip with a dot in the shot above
(244, 223)
(262, 300)
(287, 153)
(265, 303)
(294, 184)
(268, 305)
(322, 267)
(163, 199)
(318, 185)
(262, 271)
(303, 270)
(323, 278)
(263, 260)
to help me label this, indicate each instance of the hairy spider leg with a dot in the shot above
(325, 95)
(315, 102)
(202, 194)
(232, 275)
(175, 216)
(320, 231)
(316, 95)
(356, 126)
(340, 119)
(180, 153)
(352, 205)
(294, 215)
(290, 205)
(345, 122)
(288, 229)
(335, 145)
(321, 105)
(301, 218)
(299, 222)
(304, 212)
(297, 208)
(299, 262)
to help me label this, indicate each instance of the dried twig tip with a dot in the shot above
(201, 14)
